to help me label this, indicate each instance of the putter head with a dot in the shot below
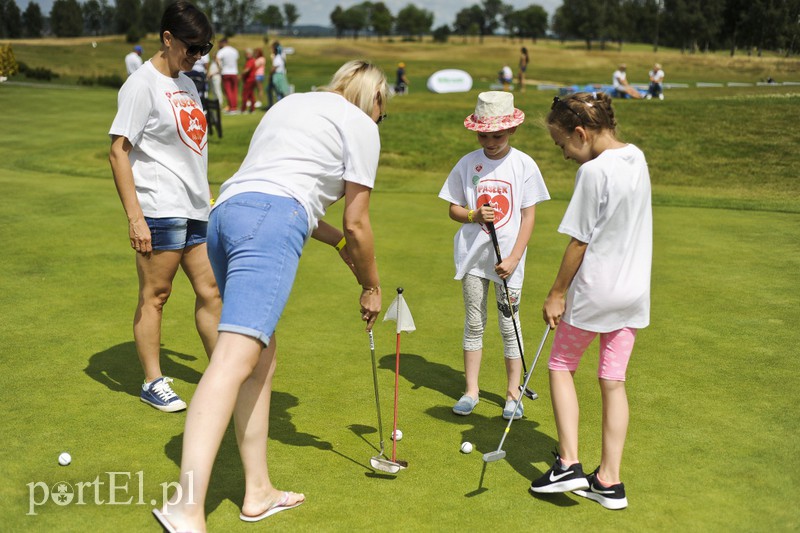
(490, 457)
(385, 465)
(529, 393)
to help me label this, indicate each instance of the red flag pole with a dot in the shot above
(396, 373)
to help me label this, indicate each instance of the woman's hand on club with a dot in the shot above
(370, 305)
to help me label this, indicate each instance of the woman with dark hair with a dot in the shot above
(309, 151)
(159, 159)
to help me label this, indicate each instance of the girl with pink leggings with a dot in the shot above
(602, 288)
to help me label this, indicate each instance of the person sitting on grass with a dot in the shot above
(602, 288)
(623, 89)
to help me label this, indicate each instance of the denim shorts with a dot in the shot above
(176, 233)
(254, 243)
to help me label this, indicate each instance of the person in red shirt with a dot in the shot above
(249, 81)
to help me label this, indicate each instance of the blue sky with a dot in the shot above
(318, 11)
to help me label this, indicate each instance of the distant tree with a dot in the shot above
(492, 11)
(581, 19)
(126, 16)
(229, 17)
(337, 19)
(108, 13)
(8, 63)
(92, 17)
(151, 13)
(412, 20)
(355, 19)
(291, 15)
(381, 19)
(271, 17)
(531, 22)
(32, 20)
(463, 23)
(11, 25)
(441, 34)
(66, 19)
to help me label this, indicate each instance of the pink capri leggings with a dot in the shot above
(615, 350)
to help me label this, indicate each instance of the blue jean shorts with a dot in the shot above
(254, 243)
(176, 233)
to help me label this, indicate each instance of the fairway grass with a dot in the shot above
(713, 383)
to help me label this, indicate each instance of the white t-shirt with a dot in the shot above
(657, 76)
(132, 62)
(279, 64)
(619, 78)
(228, 58)
(305, 148)
(164, 121)
(610, 210)
(201, 65)
(509, 185)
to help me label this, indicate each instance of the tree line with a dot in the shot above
(690, 25)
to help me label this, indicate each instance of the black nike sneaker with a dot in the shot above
(561, 479)
(612, 497)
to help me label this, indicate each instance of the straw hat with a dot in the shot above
(494, 111)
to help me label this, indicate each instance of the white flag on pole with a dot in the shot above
(400, 313)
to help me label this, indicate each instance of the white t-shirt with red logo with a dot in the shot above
(508, 185)
(164, 121)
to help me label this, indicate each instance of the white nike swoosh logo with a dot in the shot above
(595, 489)
(554, 478)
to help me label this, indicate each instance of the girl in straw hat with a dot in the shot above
(502, 185)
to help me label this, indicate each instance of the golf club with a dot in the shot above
(380, 461)
(499, 453)
(523, 388)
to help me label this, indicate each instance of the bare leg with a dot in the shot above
(251, 416)
(566, 411)
(156, 272)
(615, 428)
(208, 304)
(472, 368)
(514, 373)
(236, 358)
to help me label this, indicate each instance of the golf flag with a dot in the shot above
(400, 313)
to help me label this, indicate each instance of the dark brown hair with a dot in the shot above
(186, 22)
(591, 110)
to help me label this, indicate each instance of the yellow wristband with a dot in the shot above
(470, 214)
(211, 202)
(340, 245)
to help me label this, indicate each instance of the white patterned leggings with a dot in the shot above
(476, 291)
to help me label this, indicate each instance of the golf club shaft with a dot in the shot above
(495, 242)
(527, 378)
(375, 382)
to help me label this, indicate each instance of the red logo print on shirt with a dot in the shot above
(498, 194)
(190, 121)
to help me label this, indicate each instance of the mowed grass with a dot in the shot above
(712, 386)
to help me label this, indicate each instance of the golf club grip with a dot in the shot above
(493, 234)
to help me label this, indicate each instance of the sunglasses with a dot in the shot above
(194, 49)
(381, 118)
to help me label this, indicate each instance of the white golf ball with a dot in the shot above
(64, 459)
(397, 435)
(466, 447)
